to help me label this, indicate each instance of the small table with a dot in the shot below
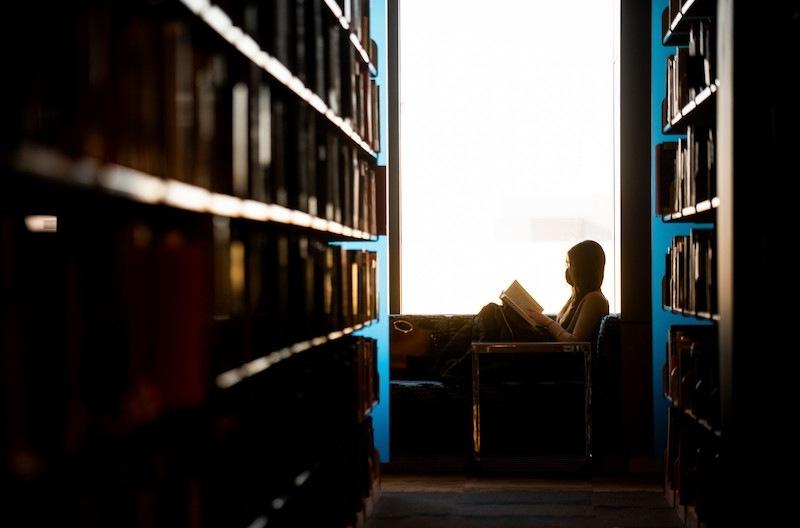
(557, 368)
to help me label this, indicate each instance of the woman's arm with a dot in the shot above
(593, 308)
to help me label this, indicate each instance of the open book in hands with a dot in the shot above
(520, 300)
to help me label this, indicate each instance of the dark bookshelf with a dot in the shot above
(179, 175)
(687, 192)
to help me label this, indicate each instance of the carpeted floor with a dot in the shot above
(532, 505)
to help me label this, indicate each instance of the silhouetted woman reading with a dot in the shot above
(577, 320)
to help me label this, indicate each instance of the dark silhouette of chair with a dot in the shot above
(540, 409)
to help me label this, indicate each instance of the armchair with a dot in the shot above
(549, 392)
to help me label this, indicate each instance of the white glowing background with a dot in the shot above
(508, 136)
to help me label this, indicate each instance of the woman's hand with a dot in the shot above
(539, 317)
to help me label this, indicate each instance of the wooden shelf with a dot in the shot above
(279, 500)
(220, 22)
(50, 164)
(678, 32)
(369, 410)
(690, 313)
(703, 423)
(703, 212)
(251, 368)
(336, 11)
(700, 110)
(675, 38)
(700, 421)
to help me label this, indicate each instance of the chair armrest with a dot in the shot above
(554, 360)
(532, 347)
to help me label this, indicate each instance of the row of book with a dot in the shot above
(289, 448)
(305, 35)
(694, 468)
(163, 94)
(107, 359)
(690, 374)
(686, 172)
(117, 319)
(358, 13)
(122, 305)
(276, 451)
(366, 375)
(692, 68)
(273, 289)
(690, 273)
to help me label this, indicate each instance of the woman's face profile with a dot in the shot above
(567, 272)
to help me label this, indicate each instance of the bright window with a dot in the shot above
(508, 147)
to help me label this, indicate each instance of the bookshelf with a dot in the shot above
(687, 205)
(178, 320)
(719, 465)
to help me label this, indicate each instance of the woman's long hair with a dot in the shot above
(586, 261)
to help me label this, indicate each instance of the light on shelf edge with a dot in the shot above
(300, 347)
(130, 182)
(186, 196)
(334, 7)
(217, 19)
(255, 210)
(41, 223)
(196, 6)
(224, 205)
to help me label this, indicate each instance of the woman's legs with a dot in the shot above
(454, 363)
(456, 348)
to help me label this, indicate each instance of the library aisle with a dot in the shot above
(467, 502)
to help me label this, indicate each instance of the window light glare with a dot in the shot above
(504, 171)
